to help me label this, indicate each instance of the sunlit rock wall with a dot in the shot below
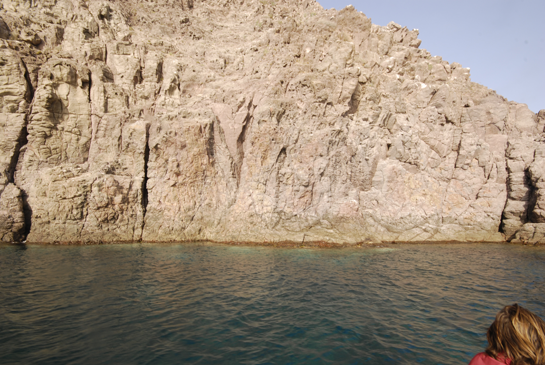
(251, 121)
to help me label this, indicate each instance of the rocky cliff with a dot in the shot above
(246, 120)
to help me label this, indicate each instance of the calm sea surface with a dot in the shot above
(213, 304)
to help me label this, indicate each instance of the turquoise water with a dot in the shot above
(213, 304)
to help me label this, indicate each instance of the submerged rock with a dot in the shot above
(251, 121)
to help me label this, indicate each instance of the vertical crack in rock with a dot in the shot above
(22, 141)
(532, 194)
(23, 134)
(532, 198)
(92, 114)
(30, 89)
(145, 182)
(89, 86)
(240, 148)
(240, 143)
(27, 210)
(210, 144)
(502, 218)
(159, 72)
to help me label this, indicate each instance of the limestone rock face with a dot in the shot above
(251, 121)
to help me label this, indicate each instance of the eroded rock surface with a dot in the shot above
(251, 121)
(12, 218)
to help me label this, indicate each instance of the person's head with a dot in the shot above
(519, 335)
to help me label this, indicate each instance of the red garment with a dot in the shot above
(483, 359)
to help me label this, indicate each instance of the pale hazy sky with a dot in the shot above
(503, 42)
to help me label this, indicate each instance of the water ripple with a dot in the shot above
(211, 304)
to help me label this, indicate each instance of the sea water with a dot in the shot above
(217, 304)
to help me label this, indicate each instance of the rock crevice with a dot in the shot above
(144, 192)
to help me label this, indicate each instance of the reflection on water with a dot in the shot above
(211, 304)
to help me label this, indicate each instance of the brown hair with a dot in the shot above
(517, 334)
